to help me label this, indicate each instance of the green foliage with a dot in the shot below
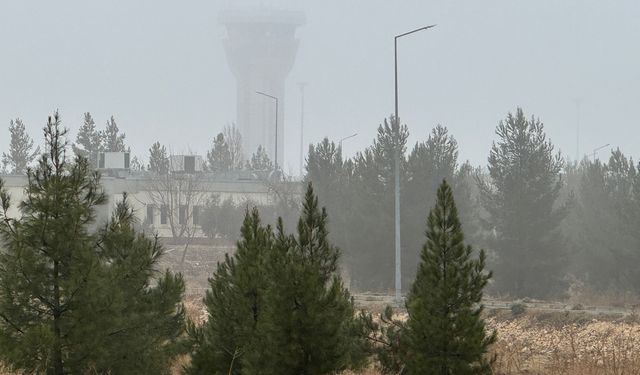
(602, 227)
(88, 141)
(427, 165)
(445, 333)
(235, 304)
(260, 161)
(158, 159)
(389, 346)
(72, 299)
(140, 312)
(309, 325)
(524, 212)
(370, 208)
(278, 306)
(111, 139)
(360, 192)
(219, 158)
(20, 149)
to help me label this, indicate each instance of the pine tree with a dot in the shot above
(260, 161)
(308, 324)
(158, 159)
(88, 142)
(219, 158)
(112, 140)
(20, 149)
(234, 303)
(73, 299)
(47, 262)
(371, 208)
(445, 333)
(430, 162)
(525, 212)
(141, 310)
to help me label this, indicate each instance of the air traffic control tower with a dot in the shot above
(261, 47)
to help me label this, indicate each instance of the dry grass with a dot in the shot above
(559, 344)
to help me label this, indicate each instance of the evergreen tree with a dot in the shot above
(73, 300)
(88, 141)
(371, 207)
(112, 140)
(234, 303)
(260, 161)
(142, 313)
(20, 149)
(47, 263)
(219, 158)
(445, 333)
(308, 324)
(427, 165)
(601, 226)
(158, 159)
(136, 164)
(522, 201)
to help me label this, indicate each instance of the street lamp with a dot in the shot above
(397, 166)
(345, 138)
(301, 85)
(276, 148)
(595, 151)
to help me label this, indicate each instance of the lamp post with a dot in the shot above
(398, 262)
(301, 85)
(276, 148)
(344, 139)
(595, 151)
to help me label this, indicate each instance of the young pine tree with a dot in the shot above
(112, 140)
(138, 312)
(260, 161)
(74, 300)
(445, 333)
(308, 324)
(234, 303)
(88, 142)
(219, 158)
(20, 149)
(47, 262)
(158, 159)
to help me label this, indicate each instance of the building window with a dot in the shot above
(182, 215)
(190, 164)
(196, 215)
(163, 214)
(150, 213)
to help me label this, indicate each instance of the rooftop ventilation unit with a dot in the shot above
(186, 163)
(113, 160)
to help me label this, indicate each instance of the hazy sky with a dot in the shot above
(159, 67)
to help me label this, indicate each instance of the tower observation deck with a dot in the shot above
(261, 47)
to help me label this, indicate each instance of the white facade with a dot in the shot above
(142, 191)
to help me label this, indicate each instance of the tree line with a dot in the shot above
(78, 297)
(549, 226)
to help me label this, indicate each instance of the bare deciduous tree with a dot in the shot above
(179, 196)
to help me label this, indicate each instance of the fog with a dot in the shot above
(160, 68)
